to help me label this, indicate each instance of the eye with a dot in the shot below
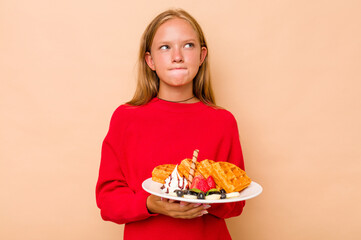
(189, 45)
(164, 47)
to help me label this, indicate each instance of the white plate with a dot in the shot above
(253, 190)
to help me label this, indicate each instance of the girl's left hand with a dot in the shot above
(176, 209)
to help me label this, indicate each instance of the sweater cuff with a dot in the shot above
(142, 204)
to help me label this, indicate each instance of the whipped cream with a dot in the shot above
(174, 182)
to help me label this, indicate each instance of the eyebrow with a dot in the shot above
(188, 40)
(191, 40)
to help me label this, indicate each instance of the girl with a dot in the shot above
(172, 113)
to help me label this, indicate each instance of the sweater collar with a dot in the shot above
(177, 107)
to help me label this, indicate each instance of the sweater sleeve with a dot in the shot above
(235, 156)
(117, 201)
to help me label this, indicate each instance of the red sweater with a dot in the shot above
(160, 132)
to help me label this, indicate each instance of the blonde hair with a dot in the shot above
(148, 81)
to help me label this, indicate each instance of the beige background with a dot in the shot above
(288, 70)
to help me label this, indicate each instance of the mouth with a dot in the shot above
(178, 71)
(178, 68)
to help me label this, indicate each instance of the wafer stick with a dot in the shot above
(193, 167)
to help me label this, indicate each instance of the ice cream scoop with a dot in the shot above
(174, 182)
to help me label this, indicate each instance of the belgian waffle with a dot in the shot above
(184, 168)
(205, 167)
(230, 177)
(161, 172)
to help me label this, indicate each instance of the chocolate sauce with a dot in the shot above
(181, 183)
(170, 179)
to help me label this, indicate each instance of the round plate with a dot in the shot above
(253, 190)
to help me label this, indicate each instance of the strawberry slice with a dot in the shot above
(195, 181)
(202, 185)
(210, 182)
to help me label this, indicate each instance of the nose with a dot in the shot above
(177, 55)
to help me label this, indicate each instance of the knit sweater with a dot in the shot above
(161, 132)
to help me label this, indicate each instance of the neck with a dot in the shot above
(176, 94)
(178, 101)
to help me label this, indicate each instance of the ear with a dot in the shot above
(149, 60)
(204, 52)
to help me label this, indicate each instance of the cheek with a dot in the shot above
(160, 60)
(195, 58)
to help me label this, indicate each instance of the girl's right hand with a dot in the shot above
(174, 209)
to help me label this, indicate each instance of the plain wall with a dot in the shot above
(290, 72)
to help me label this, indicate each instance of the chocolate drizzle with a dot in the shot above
(181, 183)
(170, 180)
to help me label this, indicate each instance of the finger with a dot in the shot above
(192, 211)
(164, 199)
(196, 214)
(204, 212)
(206, 206)
(192, 206)
(183, 204)
(184, 210)
(199, 210)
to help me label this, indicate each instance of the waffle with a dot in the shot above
(161, 172)
(184, 168)
(205, 167)
(230, 177)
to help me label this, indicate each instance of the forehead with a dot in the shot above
(173, 29)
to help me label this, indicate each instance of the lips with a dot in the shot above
(178, 68)
(178, 71)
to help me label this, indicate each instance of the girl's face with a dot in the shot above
(176, 54)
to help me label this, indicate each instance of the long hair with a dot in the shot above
(148, 81)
